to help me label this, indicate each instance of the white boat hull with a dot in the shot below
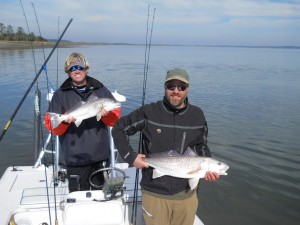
(27, 200)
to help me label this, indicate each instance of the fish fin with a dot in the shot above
(77, 122)
(55, 119)
(157, 174)
(193, 183)
(171, 153)
(99, 116)
(190, 152)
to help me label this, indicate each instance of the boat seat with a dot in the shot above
(92, 212)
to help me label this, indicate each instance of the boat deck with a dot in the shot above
(26, 189)
(30, 198)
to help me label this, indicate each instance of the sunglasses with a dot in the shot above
(73, 68)
(180, 87)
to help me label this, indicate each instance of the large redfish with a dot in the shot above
(189, 165)
(85, 110)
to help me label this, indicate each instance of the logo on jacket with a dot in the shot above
(158, 131)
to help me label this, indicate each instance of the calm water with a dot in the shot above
(250, 96)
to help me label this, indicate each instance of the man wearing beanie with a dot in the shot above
(86, 147)
(169, 124)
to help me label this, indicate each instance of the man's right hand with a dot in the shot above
(139, 162)
(70, 120)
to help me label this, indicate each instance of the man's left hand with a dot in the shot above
(211, 176)
(103, 112)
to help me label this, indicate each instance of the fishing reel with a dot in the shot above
(113, 186)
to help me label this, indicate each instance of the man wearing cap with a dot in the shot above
(169, 124)
(86, 147)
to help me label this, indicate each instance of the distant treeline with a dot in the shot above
(7, 34)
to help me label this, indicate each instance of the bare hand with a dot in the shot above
(103, 112)
(70, 120)
(139, 162)
(211, 176)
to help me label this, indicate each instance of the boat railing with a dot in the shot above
(43, 196)
(56, 151)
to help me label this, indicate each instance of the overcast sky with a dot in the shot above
(202, 22)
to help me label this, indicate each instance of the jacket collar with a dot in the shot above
(171, 108)
(91, 83)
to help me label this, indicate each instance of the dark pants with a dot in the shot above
(78, 177)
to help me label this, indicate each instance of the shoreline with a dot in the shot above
(22, 45)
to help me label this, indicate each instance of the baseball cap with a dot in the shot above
(76, 62)
(178, 74)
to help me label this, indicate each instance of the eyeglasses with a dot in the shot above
(172, 87)
(73, 68)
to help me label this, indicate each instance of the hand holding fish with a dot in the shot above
(189, 166)
(139, 162)
(103, 112)
(70, 120)
(98, 107)
(211, 176)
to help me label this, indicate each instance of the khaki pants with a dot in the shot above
(159, 211)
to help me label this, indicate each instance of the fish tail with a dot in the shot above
(55, 119)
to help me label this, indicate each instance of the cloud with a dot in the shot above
(175, 21)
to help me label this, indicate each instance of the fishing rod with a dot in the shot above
(148, 57)
(24, 14)
(40, 34)
(32, 83)
(135, 193)
(145, 63)
(39, 125)
(146, 67)
(37, 97)
(57, 55)
(37, 94)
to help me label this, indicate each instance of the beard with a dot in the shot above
(176, 103)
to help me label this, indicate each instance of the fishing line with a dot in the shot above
(32, 83)
(57, 55)
(40, 127)
(53, 160)
(135, 193)
(40, 33)
(55, 178)
(145, 63)
(148, 59)
(47, 190)
(37, 94)
(31, 41)
(146, 67)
